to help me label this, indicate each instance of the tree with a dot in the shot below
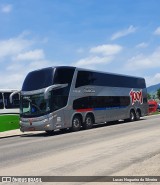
(158, 94)
(148, 96)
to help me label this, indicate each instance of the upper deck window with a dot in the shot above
(38, 79)
(111, 80)
(63, 75)
(48, 76)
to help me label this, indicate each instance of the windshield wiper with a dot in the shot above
(28, 99)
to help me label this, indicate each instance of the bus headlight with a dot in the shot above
(47, 126)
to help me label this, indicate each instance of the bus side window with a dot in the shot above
(6, 100)
(15, 103)
(1, 101)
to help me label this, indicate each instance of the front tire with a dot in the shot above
(76, 123)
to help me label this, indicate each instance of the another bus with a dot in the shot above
(152, 106)
(9, 112)
(68, 97)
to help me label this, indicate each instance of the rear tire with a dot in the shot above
(138, 115)
(88, 124)
(76, 123)
(132, 116)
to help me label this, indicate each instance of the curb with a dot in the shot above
(15, 133)
(10, 133)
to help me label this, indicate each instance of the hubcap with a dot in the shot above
(137, 115)
(76, 123)
(88, 121)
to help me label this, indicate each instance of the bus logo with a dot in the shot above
(136, 96)
(89, 90)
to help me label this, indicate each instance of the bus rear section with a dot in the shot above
(106, 97)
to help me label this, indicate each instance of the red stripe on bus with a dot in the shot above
(84, 110)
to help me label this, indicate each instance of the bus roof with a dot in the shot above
(85, 69)
(8, 90)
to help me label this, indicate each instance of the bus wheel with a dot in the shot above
(76, 123)
(50, 132)
(132, 116)
(88, 122)
(138, 115)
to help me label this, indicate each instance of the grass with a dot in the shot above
(9, 122)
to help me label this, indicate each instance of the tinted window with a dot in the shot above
(38, 79)
(1, 101)
(60, 96)
(58, 101)
(63, 75)
(34, 105)
(16, 101)
(7, 103)
(152, 105)
(111, 80)
(101, 102)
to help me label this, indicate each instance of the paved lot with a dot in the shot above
(113, 150)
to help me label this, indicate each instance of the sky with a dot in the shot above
(116, 36)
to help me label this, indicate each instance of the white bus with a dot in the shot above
(9, 112)
(68, 97)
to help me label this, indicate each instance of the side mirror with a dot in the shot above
(12, 94)
(53, 87)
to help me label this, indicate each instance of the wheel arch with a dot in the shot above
(77, 114)
(139, 110)
(132, 109)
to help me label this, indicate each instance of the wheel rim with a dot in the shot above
(76, 123)
(88, 121)
(137, 115)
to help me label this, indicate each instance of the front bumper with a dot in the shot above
(35, 124)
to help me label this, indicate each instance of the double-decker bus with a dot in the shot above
(9, 112)
(68, 97)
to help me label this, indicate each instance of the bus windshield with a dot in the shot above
(38, 79)
(34, 105)
(46, 100)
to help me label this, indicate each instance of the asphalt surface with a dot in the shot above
(107, 150)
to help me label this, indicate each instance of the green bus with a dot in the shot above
(9, 112)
